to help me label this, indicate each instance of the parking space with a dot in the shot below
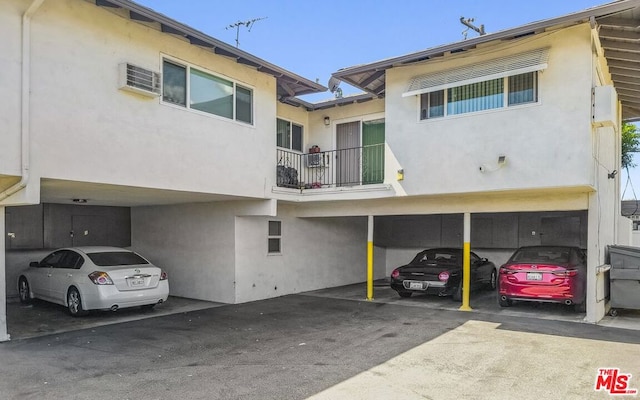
(40, 318)
(484, 302)
(310, 345)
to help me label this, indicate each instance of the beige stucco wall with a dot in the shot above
(194, 243)
(216, 252)
(547, 144)
(83, 128)
(10, 27)
(316, 253)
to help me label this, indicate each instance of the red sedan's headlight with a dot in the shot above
(163, 276)
(444, 276)
(100, 278)
(395, 274)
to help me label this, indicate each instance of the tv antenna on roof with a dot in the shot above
(468, 23)
(248, 24)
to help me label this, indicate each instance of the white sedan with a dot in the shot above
(94, 278)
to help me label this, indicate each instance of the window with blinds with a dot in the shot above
(479, 96)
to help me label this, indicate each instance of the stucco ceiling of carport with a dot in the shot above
(63, 192)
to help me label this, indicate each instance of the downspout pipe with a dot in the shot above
(25, 110)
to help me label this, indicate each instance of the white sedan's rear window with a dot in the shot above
(113, 258)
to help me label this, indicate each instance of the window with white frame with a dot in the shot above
(485, 95)
(497, 83)
(196, 89)
(274, 239)
(288, 135)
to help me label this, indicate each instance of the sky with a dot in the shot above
(316, 38)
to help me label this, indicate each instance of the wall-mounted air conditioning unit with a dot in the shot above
(314, 160)
(605, 106)
(139, 80)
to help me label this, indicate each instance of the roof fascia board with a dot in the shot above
(577, 17)
(208, 41)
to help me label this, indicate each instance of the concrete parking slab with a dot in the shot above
(301, 346)
(459, 365)
(482, 301)
(41, 318)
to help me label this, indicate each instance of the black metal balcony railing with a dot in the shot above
(346, 167)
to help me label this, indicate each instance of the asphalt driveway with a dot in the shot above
(307, 346)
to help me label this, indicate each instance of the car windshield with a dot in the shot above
(555, 255)
(113, 258)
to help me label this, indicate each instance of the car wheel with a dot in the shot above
(504, 303)
(457, 294)
(24, 290)
(613, 312)
(493, 281)
(405, 294)
(74, 303)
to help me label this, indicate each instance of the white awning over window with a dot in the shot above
(535, 60)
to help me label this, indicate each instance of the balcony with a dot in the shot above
(335, 168)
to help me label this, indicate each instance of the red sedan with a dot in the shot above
(555, 274)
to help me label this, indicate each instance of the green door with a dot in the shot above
(373, 152)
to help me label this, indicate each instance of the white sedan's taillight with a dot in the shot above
(163, 276)
(100, 278)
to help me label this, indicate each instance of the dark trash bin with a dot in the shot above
(624, 278)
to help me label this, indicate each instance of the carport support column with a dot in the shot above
(466, 263)
(370, 258)
(4, 336)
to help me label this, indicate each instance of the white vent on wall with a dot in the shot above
(605, 106)
(139, 80)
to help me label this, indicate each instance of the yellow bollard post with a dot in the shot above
(466, 264)
(370, 258)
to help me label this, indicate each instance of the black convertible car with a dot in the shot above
(439, 271)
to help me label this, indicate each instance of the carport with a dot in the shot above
(82, 213)
(500, 222)
(492, 235)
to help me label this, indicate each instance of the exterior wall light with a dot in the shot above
(327, 121)
(400, 175)
(502, 161)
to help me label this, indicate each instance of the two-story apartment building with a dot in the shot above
(124, 127)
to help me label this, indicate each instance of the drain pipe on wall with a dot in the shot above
(25, 132)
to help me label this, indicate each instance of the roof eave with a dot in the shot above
(168, 25)
(535, 27)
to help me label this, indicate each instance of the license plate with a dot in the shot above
(534, 276)
(136, 282)
(415, 285)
